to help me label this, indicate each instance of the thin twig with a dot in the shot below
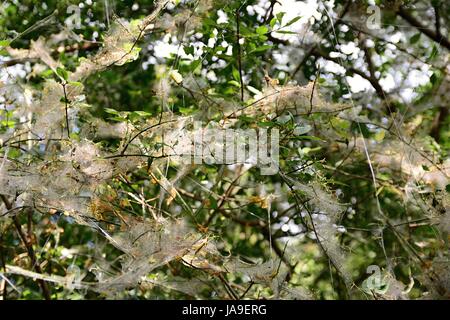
(66, 108)
(29, 247)
(239, 57)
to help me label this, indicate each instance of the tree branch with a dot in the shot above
(29, 247)
(433, 35)
(239, 57)
(439, 122)
(314, 46)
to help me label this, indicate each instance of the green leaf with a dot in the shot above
(379, 136)
(267, 124)
(285, 32)
(339, 123)
(195, 64)
(64, 100)
(47, 73)
(75, 83)
(434, 52)
(280, 16)
(234, 83)
(292, 21)
(74, 136)
(262, 30)
(245, 118)
(273, 22)
(62, 73)
(263, 38)
(189, 50)
(4, 43)
(7, 123)
(142, 113)
(433, 78)
(362, 128)
(111, 111)
(235, 74)
(415, 38)
(311, 138)
(118, 119)
(186, 110)
(14, 153)
(261, 48)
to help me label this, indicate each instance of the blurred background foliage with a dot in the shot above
(396, 70)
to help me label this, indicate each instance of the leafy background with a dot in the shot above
(389, 196)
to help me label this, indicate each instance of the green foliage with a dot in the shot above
(89, 117)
